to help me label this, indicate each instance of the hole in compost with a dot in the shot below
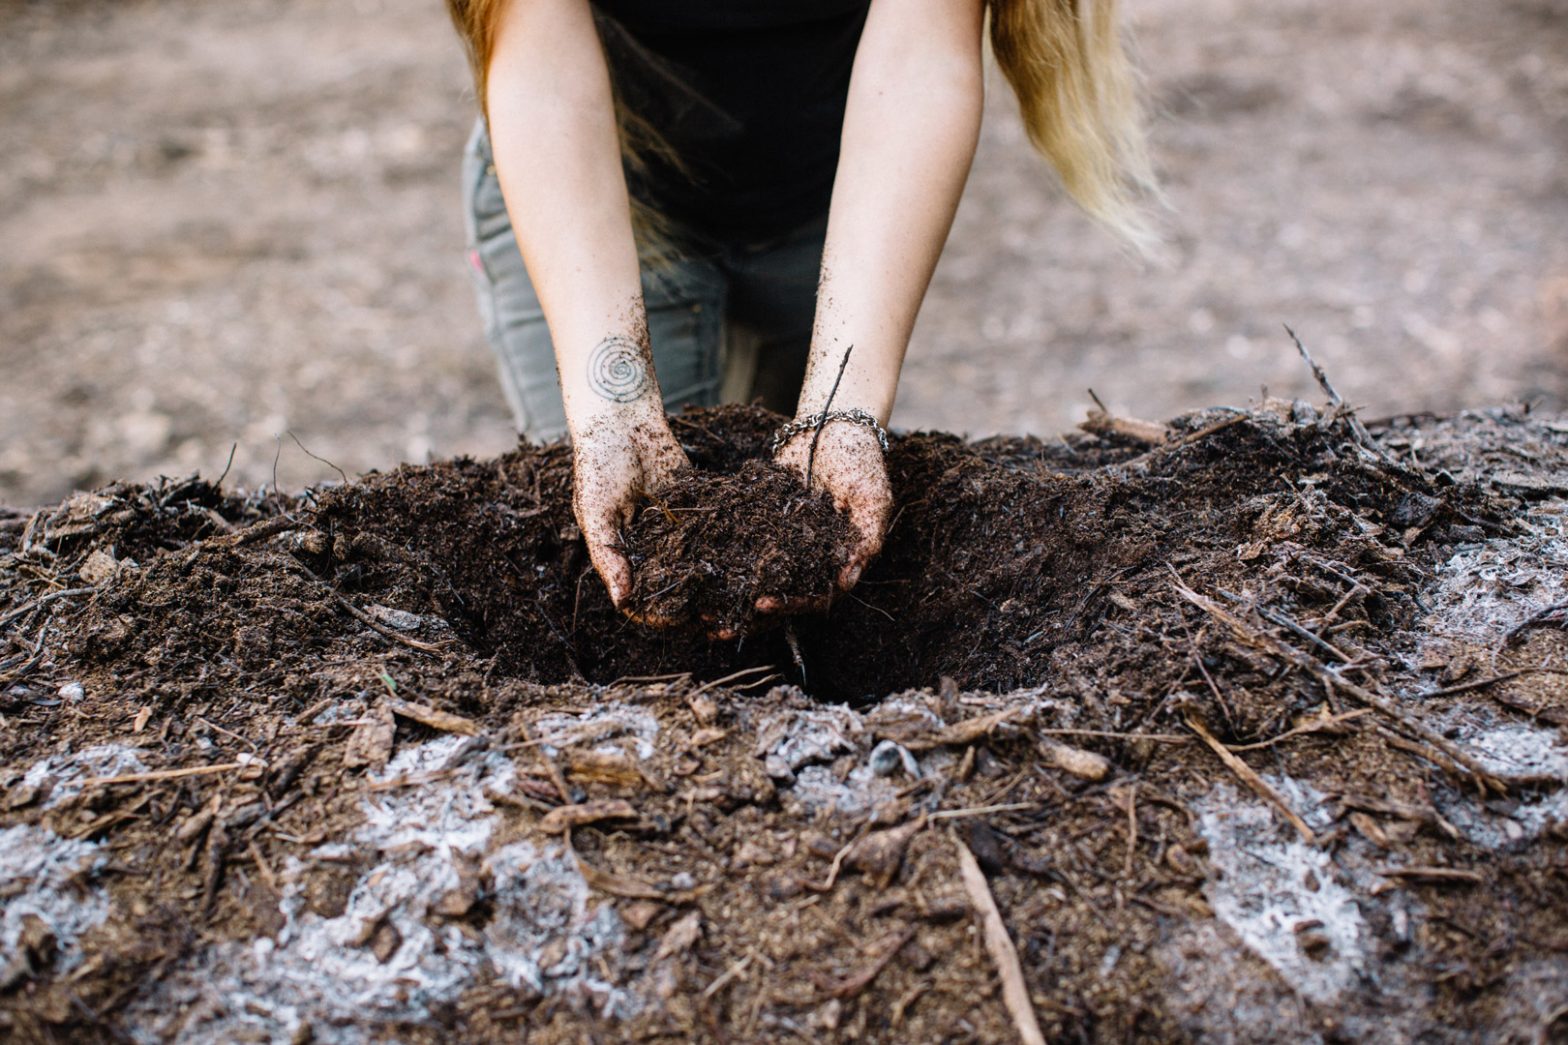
(1000, 551)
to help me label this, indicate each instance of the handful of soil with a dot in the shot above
(707, 546)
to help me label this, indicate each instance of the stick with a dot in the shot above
(1359, 430)
(43, 600)
(1328, 678)
(385, 632)
(1009, 807)
(1015, 994)
(1318, 725)
(1252, 780)
(162, 774)
(727, 679)
(816, 437)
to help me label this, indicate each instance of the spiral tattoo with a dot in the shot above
(618, 369)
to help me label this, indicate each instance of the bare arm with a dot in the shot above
(910, 129)
(552, 128)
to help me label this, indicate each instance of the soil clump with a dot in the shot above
(708, 546)
(1254, 721)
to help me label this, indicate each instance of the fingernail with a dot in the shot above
(852, 577)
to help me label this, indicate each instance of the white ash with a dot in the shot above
(64, 774)
(47, 877)
(1270, 884)
(1515, 749)
(1484, 590)
(417, 845)
(547, 929)
(601, 725)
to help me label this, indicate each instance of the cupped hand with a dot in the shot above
(616, 461)
(850, 466)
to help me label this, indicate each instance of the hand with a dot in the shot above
(617, 460)
(850, 467)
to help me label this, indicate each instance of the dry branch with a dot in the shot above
(1251, 779)
(1015, 993)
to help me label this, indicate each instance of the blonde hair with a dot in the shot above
(1064, 59)
(1078, 95)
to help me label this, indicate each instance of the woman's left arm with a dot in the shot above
(910, 128)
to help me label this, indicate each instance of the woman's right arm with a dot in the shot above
(557, 155)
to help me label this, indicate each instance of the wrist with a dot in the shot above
(589, 415)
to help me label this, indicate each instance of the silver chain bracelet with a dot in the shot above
(812, 422)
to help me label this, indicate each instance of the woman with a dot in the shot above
(788, 171)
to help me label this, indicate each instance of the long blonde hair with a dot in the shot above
(1064, 59)
(1078, 95)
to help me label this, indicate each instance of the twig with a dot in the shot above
(341, 474)
(1433, 874)
(1015, 993)
(162, 774)
(859, 981)
(1465, 687)
(1250, 777)
(1535, 621)
(706, 686)
(385, 632)
(955, 814)
(226, 466)
(1162, 738)
(726, 976)
(43, 600)
(1314, 726)
(1132, 828)
(1357, 429)
(1317, 670)
(816, 436)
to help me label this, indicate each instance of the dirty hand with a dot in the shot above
(850, 467)
(616, 461)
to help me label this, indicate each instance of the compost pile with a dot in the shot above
(1251, 722)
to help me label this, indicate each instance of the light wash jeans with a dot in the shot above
(731, 324)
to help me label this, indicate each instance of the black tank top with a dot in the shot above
(749, 94)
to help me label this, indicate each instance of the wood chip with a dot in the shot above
(959, 733)
(567, 817)
(426, 715)
(679, 937)
(371, 742)
(1085, 765)
(1015, 993)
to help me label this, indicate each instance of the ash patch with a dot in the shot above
(824, 757)
(1272, 890)
(49, 902)
(399, 951)
(1485, 590)
(61, 776)
(608, 726)
(548, 932)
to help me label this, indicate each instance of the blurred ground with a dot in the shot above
(223, 222)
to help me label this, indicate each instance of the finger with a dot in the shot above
(600, 535)
(773, 604)
(869, 518)
(716, 631)
(649, 619)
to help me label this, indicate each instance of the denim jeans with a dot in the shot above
(730, 323)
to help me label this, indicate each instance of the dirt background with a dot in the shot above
(226, 221)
